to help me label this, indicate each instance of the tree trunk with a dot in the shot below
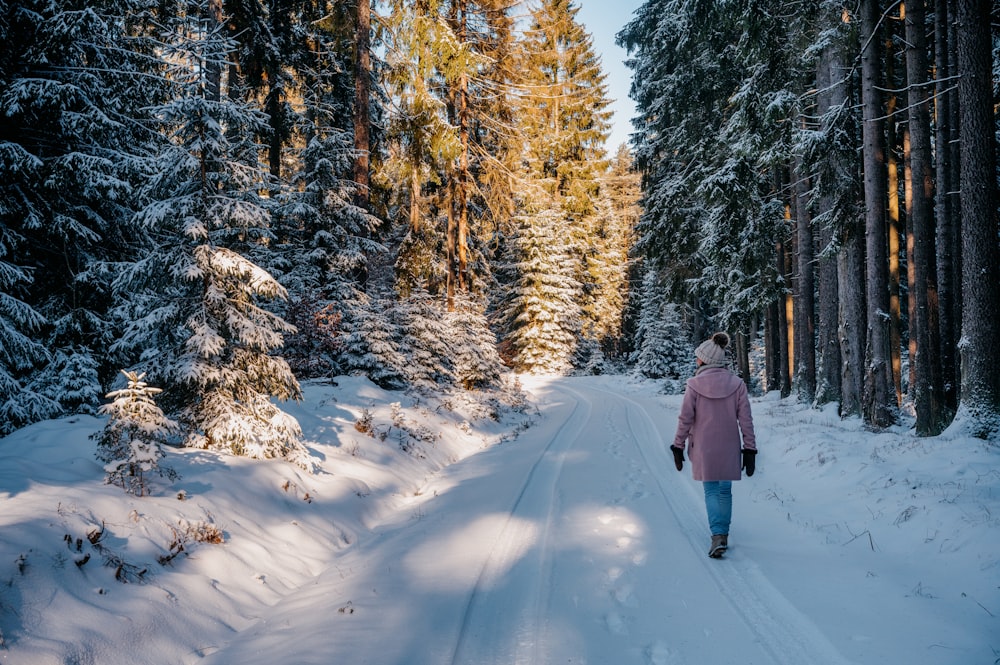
(784, 322)
(828, 369)
(931, 419)
(362, 103)
(772, 348)
(911, 278)
(980, 251)
(895, 221)
(415, 198)
(945, 209)
(954, 196)
(742, 355)
(852, 317)
(214, 56)
(273, 107)
(805, 288)
(879, 408)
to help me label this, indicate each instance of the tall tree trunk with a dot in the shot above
(853, 319)
(805, 288)
(954, 196)
(415, 198)
(879, 408)
(362, 103)
(464, 182)
(980, 251)
(274, 108)
(828, 370)
(214, 56)
(742, 355)
(911, 277)
(459, 180)
(895, 221)
(451, 243)
(772, 348)
(785, 317)
(944, 209)
(931, 418)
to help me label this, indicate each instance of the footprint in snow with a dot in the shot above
(616, 624)
(658, 653)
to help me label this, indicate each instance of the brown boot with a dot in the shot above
(718, 546)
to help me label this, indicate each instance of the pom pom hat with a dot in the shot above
(713, 351)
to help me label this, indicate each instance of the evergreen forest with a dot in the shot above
(210, 201)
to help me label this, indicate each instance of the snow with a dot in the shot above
(572, 540)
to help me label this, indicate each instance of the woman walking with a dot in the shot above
(715, 416)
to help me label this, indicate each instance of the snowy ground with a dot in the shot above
(455, 535)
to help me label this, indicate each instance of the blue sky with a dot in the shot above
(603, 19)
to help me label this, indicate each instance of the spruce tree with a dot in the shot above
(663, 349)
(541, 308)
(131, 443)
(76, 84)
(194, 313)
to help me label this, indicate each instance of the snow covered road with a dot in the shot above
(439, 530)
(577, 543)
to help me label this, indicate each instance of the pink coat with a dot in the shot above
(714, 414)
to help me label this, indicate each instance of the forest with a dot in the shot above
(820, 178)
(218, 199)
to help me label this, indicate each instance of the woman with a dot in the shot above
(715, 414)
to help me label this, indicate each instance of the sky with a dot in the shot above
(477, 529)
(603, 19)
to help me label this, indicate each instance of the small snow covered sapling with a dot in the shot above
(130, 444)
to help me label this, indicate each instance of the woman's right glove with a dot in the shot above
(749, 460)
(678, 457)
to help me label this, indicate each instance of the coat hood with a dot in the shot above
(714, 383)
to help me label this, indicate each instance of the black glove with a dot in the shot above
(749, 460)
(678, 457)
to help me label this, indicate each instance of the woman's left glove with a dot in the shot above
(749, 460)
(678, 457)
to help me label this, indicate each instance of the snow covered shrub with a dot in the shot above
(364, 424)
(130, 444)
(202, 532)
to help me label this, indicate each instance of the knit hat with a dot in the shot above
(713, 351)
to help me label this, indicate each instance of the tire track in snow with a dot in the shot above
(789, 636)
(498, 627)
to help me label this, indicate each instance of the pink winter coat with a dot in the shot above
(714, 413)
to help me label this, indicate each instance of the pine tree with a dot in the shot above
(474, 347)
(77, 80)
(663, 349)
(607, 260)
(426, 341)
(194, 299)
(541, 310)
(131, 443)
(19, 348)
(563, 114)
(371, 346)
(563, 108)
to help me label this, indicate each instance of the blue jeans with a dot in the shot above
(719, 504)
